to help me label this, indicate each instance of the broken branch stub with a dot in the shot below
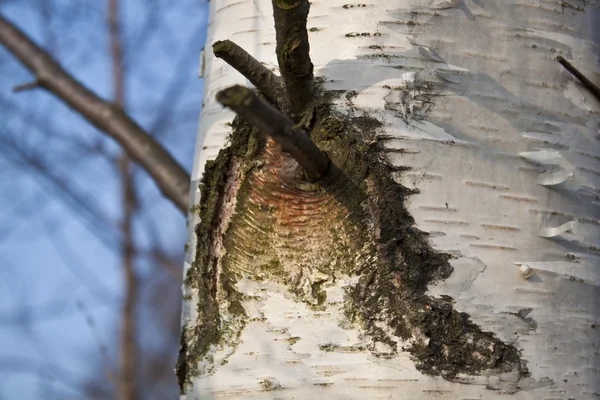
(260, 76)
(293, 53)
(278, 127)
(26, 86)
(582, 78)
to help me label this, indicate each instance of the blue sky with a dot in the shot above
(58, 263)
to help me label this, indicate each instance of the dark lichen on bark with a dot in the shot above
(213, 283)
(393, 290)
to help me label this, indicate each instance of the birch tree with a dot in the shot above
(405, 207)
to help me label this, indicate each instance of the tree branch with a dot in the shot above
(116, 54)
(110, 373)
(171, 178)
(64, 188)
(126, 385)
(582, 78)
(265, 81)
(293, 53)
(127, 340)
(278, 127)
(26, 86)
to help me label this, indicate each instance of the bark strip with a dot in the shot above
(293, 53)
(582, 78)
(265, 81)
(171, 178)
(278, 127)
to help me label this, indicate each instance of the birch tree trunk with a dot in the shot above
(453, 113)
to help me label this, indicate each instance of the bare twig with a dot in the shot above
(293, 53)
(64, 188)
(77, 266)
(27, 85)
(116, 54)
(176, 88)
(280, 128)
(52, 309)
(128, 344)
(582, 78)
(260, 76)
(110, 373)
(171, 178)
(126, 387)
(49, 34)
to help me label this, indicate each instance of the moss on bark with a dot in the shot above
(213, 283)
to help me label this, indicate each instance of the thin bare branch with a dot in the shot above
(171, 178)
(116, 54)
(134, 53)
(176, 89)
(110, 373)
(582, 78)
(49, 33)
(293, 53)
(126, 385)
(77, 266)
(278, 127)
(127, 343)
(50, 310)
(26, 86)
(65, 189)
(260, 76)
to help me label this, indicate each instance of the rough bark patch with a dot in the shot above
(352, 223)
(220, 315)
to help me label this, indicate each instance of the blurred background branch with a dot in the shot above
(79, 222)
(170, 177)
(127, 345)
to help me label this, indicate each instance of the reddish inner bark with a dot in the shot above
(287, 228)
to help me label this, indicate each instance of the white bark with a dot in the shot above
(506, 161)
